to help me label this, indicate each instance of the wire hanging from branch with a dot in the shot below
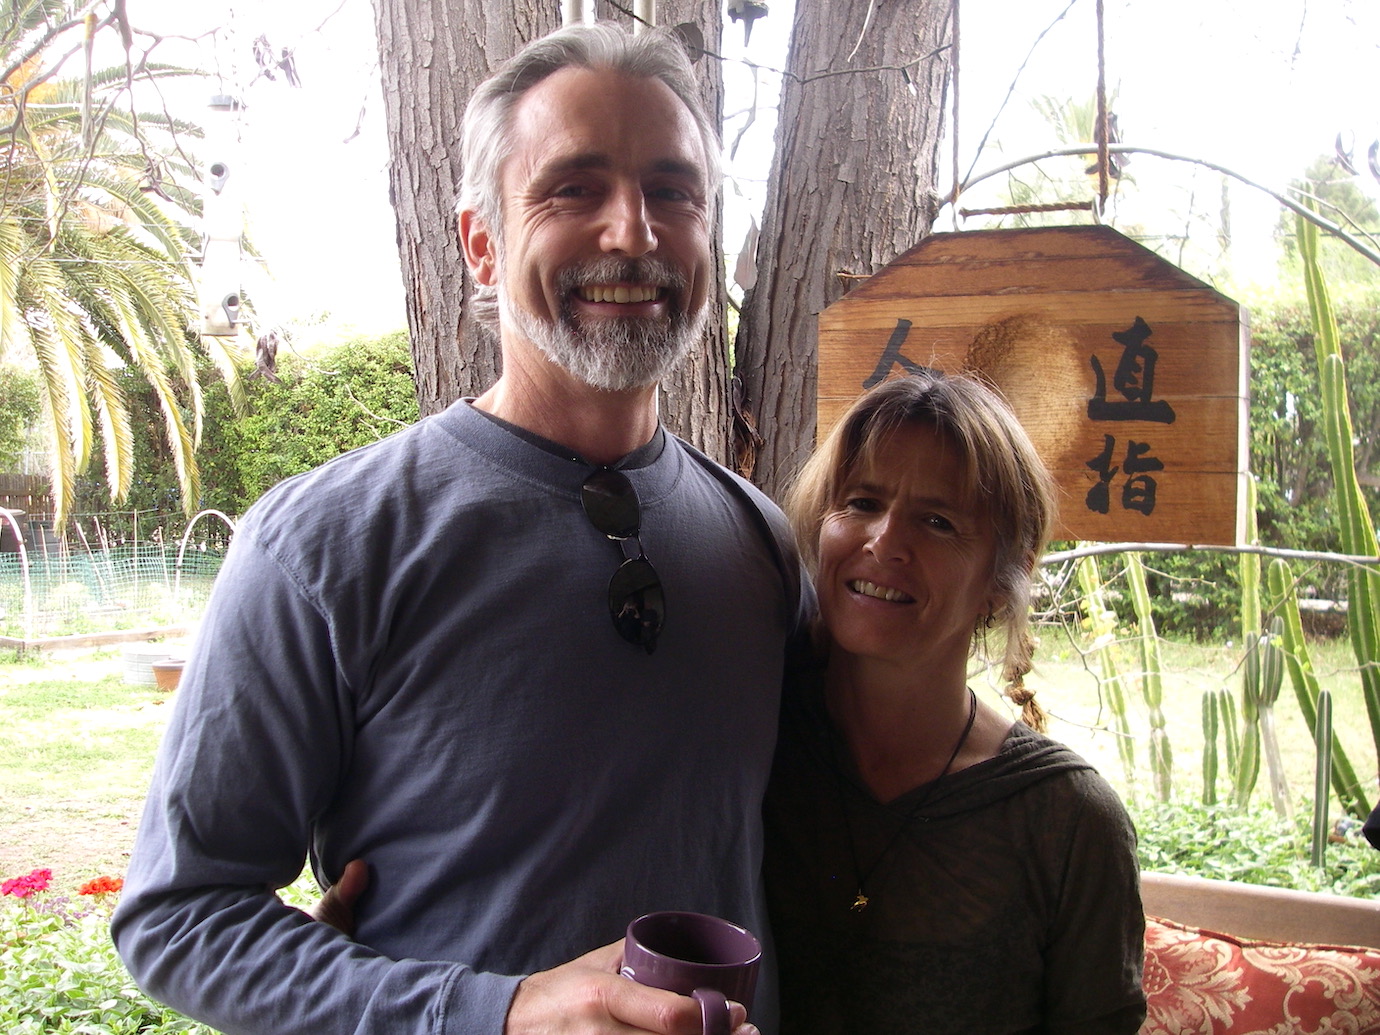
(1101, 134)
(1107, 151)
(954, 65)
(1101, 131)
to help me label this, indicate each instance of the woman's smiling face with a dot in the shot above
(906, 556)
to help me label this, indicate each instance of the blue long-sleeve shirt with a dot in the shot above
(408, 658)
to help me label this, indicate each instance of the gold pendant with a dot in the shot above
(859, 903)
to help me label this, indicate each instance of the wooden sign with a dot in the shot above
(1129, 374)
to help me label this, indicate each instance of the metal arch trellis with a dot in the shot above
(27, 584)
(186, 537)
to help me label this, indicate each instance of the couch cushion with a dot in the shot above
(1200, 981)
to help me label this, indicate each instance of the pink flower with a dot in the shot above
(23, 887)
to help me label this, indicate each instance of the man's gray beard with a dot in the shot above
(614, 354)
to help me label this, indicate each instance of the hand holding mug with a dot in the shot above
(696, 955)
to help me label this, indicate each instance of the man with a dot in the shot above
(523, 657)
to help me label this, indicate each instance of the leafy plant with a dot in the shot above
(1256, 846)
(1219, 723)
(1102, 629)
(1248, 761)
(1307, 690)
(349, 396)
(20, 406)
(1322, 769)
(59, 972)
(1262, 681)
(96, 237)
(1334, 191)
(58, 969)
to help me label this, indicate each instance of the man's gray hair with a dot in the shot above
(486, 138)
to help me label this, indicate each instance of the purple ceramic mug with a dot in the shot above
(696, 955)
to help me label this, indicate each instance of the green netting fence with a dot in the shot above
(107, 573)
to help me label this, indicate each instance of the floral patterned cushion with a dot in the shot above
(1199, 981)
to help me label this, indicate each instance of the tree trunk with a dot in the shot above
(694, 397)
(853, 184)
(432, 54)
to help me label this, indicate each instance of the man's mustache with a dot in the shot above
(612, 270)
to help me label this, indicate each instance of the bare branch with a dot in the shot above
(1012, 88)
(1088, 149)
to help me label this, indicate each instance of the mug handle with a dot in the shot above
(713, 1011)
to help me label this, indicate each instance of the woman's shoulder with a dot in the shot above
(1068, 774)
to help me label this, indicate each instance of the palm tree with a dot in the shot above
(96, 246)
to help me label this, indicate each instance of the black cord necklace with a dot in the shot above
(861, 900)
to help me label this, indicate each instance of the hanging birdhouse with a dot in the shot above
(1129, 374)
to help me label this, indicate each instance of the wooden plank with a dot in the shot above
(1018, 277)
(1204, 438)
(82, 640)
(1187, 510)
(1052, 247)
(1060, 308)
(1259, 912)
(1192, 356)
(1127, 372)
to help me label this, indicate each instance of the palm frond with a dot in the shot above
(97, 240)
(13, 244)
(228, 358)
(112, 412)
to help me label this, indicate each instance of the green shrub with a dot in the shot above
(21, 403)
(59, 973)
(1255, 846)
(355, 394)
(337, 400)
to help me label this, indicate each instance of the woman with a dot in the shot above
(933, 866)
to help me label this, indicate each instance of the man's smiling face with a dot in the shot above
(605, 261)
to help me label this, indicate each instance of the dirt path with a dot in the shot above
(79, 825)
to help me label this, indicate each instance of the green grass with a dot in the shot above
(76, 747)
(1069, 689)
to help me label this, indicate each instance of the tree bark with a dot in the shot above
(432, 54)
(694, 397)
(853, 184)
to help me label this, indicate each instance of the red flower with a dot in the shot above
(102, 886)
(23, 887)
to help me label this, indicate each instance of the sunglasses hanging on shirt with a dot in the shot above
(637, 603)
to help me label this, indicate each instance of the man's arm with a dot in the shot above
(255, 750)
(565, 993)
(260, 734)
